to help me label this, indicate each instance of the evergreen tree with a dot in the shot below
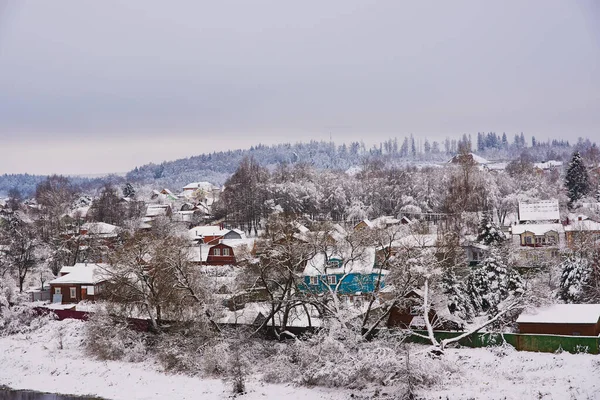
(458, 300)
(577, 180)
(128, 191)
(489, 233)
(574, 278)
(493, 282)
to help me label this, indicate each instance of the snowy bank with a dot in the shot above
(36, 362)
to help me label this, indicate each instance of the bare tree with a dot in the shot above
(152, 274)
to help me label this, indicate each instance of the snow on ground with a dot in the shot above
(504, 373)
(35, 361)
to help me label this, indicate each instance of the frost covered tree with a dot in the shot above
(128, 191)
(152, 275)
(489, 233)
(108, 207)
(576, 271)
(23, 242)
(493, 281)
(243, 198)
(577, 179)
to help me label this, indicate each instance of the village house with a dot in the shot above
(538, 235)
(154, 211)
(208, 234)
(582, 231)
(562, 319)
(357, 277)
(83, 281)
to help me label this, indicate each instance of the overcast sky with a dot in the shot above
(103, 86)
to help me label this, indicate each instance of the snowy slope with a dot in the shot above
(35, 361)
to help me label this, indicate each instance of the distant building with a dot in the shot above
(540, 211)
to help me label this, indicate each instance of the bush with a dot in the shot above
(111, 338)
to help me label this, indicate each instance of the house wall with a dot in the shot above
(212, 239)
(232, 235)
(560, 329)
(212, 259)
(401, 317)
(574, 237)
(351, 284)
(66, 291)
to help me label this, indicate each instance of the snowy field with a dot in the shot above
(35, 361)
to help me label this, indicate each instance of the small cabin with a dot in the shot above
(220, 254)
(80, 282)
(562, 319)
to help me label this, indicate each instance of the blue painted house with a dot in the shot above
(332, 272)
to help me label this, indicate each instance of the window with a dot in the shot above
(217, 252)
(73, 292)
(226, 252)
(415, 310)
(333, 263)
(57, 290)
(331, 279)
(528, 240)
(314, 280)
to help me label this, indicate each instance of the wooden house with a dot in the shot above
(77, 283)
(409, 313)
(562, 319)
(330, 271)
(582, 231)
(209, 234)
(220, 254)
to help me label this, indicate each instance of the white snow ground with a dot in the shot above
(34, 361)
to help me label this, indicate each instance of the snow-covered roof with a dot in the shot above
(66, 269)
(385, 220)
(476, 159)
(548, 164)
(584, 225)
(546, 210)
(367, 222)
(563, 314)
(100, 228)
(537, 229)
(83, 273)
(499, 166)
(199, 185)
(415, 241)
(80, 212)
(198, 253)
(301, 228)
(155, 210)
(237, 243)
(208, 230)
(363, 264)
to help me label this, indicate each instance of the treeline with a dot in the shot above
(217, 167)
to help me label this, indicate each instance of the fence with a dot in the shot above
(522, 342)
(43, 295)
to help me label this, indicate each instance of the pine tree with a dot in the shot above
(458, 300)
(493, 282)
(574, 278)
(128, 191)
(489, 233)
(577, 180)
